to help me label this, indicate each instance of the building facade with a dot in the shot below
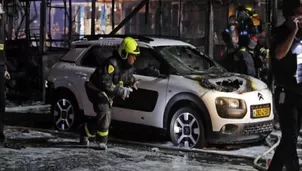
(185, 19)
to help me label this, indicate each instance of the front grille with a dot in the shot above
(258, 128)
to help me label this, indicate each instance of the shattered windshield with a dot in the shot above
(187, 60)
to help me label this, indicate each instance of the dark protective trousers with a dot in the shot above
(289, 109)
(98, 126)
(2, 102)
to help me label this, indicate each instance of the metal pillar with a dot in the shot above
(160, 27)
(27, 21)
(93, 17)
(65, 19)
(2, 35)
(147, 17)
(43, 7)
(49, 22)
(2, 68)
(10, 11)
(70, 23)
(112, 15)
(179, 18)
(209, 45)
(135, 10)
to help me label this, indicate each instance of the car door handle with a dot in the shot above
(81, 74)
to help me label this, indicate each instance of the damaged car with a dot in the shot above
(181, 91)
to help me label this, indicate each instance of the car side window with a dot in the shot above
(96, 55)
(146, 64)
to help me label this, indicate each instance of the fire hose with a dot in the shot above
(256, 165)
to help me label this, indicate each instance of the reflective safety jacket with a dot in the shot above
(108, 79)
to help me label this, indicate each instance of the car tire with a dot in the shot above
(186, 128)
(65, 112)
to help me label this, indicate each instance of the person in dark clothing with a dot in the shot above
(244, 62)
(2, 102)
(286, 52)
(4, 72)
(113, 78)
(230, 37)
(237, 57)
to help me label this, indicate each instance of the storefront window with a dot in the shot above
(178, 18)
(136, 25)
(103, 17)
(82, 17)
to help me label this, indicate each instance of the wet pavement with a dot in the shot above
(40, 153)
(36, 146)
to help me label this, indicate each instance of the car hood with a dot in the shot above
(229, 82)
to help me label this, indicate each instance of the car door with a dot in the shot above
(85, 68)
(145, 105)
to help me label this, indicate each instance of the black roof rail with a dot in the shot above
(165, 36)
(145, 38)
(98, 36)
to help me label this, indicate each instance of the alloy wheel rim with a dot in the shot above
(63, 114)
(186, 130)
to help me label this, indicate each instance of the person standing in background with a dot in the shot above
(287, 70)
(2, 74)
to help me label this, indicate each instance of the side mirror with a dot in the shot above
(164, 69)
(162, 76)
(156, 72)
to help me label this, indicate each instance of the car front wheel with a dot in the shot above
(186, 128)
(64, 109)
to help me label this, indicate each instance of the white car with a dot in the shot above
(181, 91)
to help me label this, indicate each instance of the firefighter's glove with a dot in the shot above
(135, 85)
(126, 92)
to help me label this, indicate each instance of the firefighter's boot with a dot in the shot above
(101, 139)
(84, 135)
(84, 140)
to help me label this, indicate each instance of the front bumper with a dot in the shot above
(242, 133)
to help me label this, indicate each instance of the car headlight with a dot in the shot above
(230, 107)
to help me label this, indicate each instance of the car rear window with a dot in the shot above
(73, 54)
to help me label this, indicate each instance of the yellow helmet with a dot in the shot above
(128, 46)
(253, 15)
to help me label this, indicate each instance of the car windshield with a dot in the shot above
(187, 60)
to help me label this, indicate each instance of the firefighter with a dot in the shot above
(261, 58)
(244, 62)
(114, 77)
(253, 50)
(230, 37)
(249, 25)
(248, 20)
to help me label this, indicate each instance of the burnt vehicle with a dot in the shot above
(181, 91)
